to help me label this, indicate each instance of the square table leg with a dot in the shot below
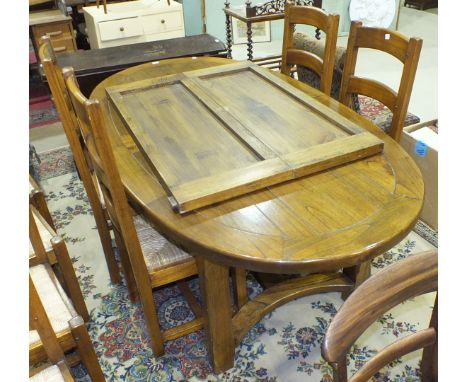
(358, 274)
(217, 310)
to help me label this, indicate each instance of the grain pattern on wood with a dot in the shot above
(145, 268)
(277, 295)
(217, 309)
(239, 111)
(407, 278)
(399, 348)
(290, 214)
(337, 218)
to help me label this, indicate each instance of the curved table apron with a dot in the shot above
(339, 218)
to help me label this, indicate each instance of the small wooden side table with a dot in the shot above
(269, 11)
(55, 24)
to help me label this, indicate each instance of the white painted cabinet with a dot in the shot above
(133, 21)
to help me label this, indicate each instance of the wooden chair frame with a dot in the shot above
(53, 345)
(67, 116)
(91, 122)
(37, 199)
(391, 42)
(39, 321)
(391, 286)
(59, 257)
(328, 23)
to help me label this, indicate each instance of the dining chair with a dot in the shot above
(67, 115)
(328, 23)
(149, 259)
(67, 325)
(39, 321)
(46, 247)
(37, 199)
(407, 50)
(309, 43)
(411, 277)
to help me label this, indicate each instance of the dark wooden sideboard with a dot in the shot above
(422, 4)
(93, 66)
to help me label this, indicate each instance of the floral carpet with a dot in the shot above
(284, 346)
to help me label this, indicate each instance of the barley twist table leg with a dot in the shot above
(249, 42)
(228, 32)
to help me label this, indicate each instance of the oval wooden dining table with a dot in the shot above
(325, 227)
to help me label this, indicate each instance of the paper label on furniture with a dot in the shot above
(420, 149)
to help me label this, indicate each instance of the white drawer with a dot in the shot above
(163, 22)
(122, 28)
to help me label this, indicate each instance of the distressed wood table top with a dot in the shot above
(321, 222)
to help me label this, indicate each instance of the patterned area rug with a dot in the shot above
(284, 346)
(41, 108)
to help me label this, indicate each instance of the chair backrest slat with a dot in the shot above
(373, 88)
(327, 23)
(379, 38)
(407, 50)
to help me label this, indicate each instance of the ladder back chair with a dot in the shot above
(48, 248)
(149, 260)
(39, 321)
(406, 50)
(67, 325)
(328, 23)
(54, 76)
(391, 286)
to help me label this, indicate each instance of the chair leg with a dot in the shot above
(429, 363)
(69, 276)
(127, 268)
(106, 241)
(358, 274)
(240, 287)
(86, 349)
(152, 320)
(340, 371)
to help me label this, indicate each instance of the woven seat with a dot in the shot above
(51, 374)
(56, 303)
(157, 250)
(55, 327)
(54, 323)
